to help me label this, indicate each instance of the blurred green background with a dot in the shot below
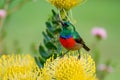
(27, 24)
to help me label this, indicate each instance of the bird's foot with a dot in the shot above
(79, 57)
(64, 54)
(61, 56)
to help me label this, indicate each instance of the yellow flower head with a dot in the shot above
(65, 4)
(70, 68)
(18, 67)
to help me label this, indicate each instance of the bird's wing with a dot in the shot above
(77, 38)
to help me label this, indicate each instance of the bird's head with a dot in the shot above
(67, 26)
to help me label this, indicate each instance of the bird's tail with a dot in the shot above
(86, 48)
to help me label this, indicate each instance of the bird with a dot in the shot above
(70, 38)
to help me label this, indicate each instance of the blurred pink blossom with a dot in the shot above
(2, 13)
(99, 32)
(110, 69)
(102, 67)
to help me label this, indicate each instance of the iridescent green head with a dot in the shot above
(68, 28)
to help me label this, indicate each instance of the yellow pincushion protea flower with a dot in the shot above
(70, 68)
(18, 67)
(65, 4)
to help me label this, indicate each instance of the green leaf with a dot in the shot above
(46, 37)
(49, 34)
(39, 61)
(57, 31)
(55, 22)
(54, 13)
(42, 52)
(50, 45)
(49, 26)
(59, 49)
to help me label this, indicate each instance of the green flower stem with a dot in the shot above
(64, 14)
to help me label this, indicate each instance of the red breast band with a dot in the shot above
(68, 43)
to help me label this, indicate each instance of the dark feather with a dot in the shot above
(80, 41)
(86, 48)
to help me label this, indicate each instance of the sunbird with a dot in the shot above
(70, 38)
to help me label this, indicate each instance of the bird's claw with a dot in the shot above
(79, 57)
(61, 56)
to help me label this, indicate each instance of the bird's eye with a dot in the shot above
(66, 25)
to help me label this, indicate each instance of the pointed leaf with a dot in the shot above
(54, 13)
(49, 25)
(44, 41)
(39, 62)
(42, 52)
(58, 30)
(50, 45)
(46, 37)
(49, 34)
